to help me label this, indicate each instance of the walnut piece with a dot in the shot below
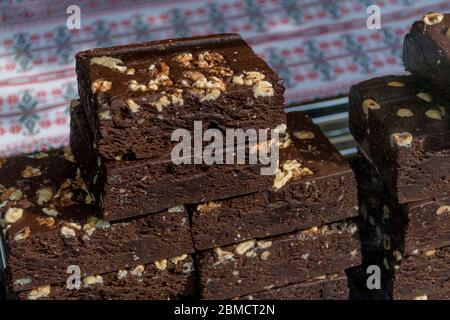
(425, 96)
(100, 85)
(161, 264)
(122, 274)
(49, 221)
(50, 212)
(404, 113)
(402, 139)
(263, 89)
(434, 114)
(44, 195)
(23, 234)
(39, 292)
(138, 271)
(222, 255)
(69, 229)
(289, 170)
(304, 135)
(175, 260)
(30, 171)
(243, 247)
(92, 280)
(264, 244)
(12, 215)
(443, 209)
(432, 18)
(184, 58)
(430, 253)
(134, 107)
(208, 207)
(396, 84)
(112, 63)
(254, 78)
(265, 255)
(208, 59)
(370, 104)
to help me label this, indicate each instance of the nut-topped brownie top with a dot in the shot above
(135, 96)
(397, 106)
(161, 73)
(41, 192)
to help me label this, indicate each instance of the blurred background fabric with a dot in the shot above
(319, 47)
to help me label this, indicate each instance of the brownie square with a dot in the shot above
(130, 188)
(426, 52)
(166, 279)
(413, 226)
(136, 95)
(49, 223)
(323, 192)
(256, 265)
(406, 241)
(327, 287)
(403, 131)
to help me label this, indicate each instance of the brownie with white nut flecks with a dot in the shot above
(136, 95)
(315, 185)
(426, 52)
(49, 224)
(403, 131)
(403, 240)
(166, 279)
(261, 264)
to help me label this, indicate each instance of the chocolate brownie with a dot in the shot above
(401, 239)
(257, 265)
(136, 95)
(426, 52)
(162, 280)
(125, 189)
(424, 275)
(323, 190)
(49, 224)
(404, 132)
(420, 225)
(328, 287)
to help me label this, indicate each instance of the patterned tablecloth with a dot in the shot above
(319, 47)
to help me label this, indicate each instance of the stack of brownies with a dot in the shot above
(291, 241)
(115, 218)
(401, 125)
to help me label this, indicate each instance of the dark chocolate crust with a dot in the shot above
(167, 280)
(254, 266)
(331, 287)
(404, 136)
(146, 133)
(51, 235)
(327, 195)
(426, 54)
